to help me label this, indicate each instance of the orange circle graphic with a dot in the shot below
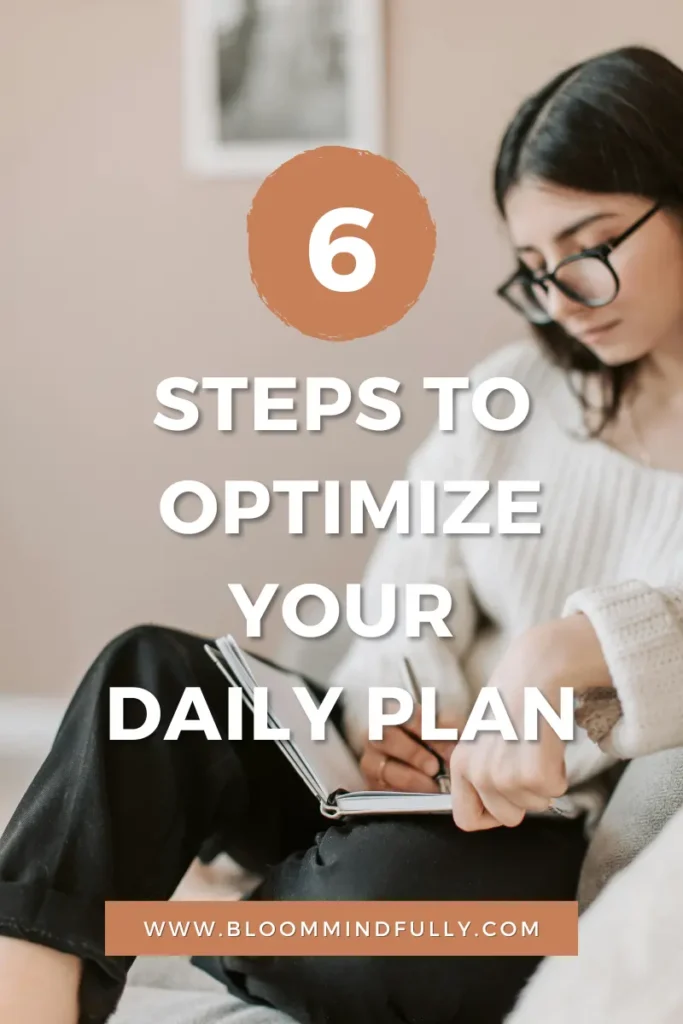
(341, 243)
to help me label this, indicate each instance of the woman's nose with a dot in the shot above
(559, 306)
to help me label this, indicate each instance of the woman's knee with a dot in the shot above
(428, 858)
(147, 657)
(136, 639)
(378, 859)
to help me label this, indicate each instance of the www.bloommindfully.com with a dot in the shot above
(376, 929)
(346, 928)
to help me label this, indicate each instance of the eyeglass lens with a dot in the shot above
(588, 280)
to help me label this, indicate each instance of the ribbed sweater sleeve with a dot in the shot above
(640, 629)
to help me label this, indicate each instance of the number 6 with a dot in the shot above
(321, 251)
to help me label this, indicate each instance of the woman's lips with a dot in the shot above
(596, 333)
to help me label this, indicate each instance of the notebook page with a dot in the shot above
(331, 761)
(392, 802)
(239, 677)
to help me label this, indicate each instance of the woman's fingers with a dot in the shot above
(528, 800)
(489, 788)
(400, 776)
(444, 748)
(469, 813)
(399, 762)
(371, 768)
(382, 771)
(403, 747)
(500, 808)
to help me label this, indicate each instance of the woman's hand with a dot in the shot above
(495, 781)
(400, 762)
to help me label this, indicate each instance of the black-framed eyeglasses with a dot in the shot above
(587, 277)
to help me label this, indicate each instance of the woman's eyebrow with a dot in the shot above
(568, 231)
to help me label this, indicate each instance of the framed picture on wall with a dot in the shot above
(264, 80)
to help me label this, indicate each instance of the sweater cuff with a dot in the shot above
(640, 630)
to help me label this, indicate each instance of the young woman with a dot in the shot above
(589, 180)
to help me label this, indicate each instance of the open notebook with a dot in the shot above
(329, 768)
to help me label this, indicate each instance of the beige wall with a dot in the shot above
(117, 270)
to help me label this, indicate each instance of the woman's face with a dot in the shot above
(548, 222)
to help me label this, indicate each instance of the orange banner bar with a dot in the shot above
(341, 928)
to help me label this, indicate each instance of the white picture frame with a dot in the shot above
(216, 53)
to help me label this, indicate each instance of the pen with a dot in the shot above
(441, 778)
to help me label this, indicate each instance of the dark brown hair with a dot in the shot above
(610, 124)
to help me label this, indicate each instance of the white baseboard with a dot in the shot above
(28, 724)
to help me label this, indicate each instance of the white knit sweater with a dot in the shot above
(611, 546)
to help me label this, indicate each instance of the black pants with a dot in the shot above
(122, 820)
